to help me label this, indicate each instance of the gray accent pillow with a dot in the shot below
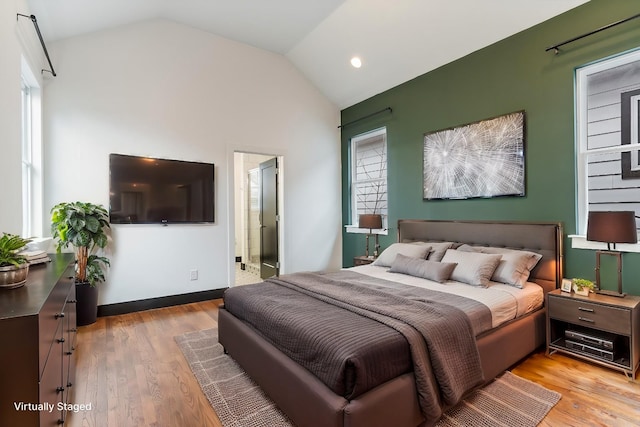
(437, 249)
(432, 270)
(389, 254)
(474, 268)
(514, 267)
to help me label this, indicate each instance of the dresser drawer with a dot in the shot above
(51, 315)
(612, 319)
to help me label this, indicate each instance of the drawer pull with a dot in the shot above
(72, 301)
(60, 340)
(584, 319)
(589, 310)
(59, 389)
(59, 315)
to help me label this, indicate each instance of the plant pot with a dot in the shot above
(12, 277)
(86, 303)
(583, 292)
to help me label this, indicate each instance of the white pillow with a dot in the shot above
(407, 249)
(474, 268)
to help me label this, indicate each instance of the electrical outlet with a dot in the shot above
(193, 274)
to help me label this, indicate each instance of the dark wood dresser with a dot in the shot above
(38, 335)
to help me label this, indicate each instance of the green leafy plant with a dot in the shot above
(82, 226)
(10, 244)
(583, 283)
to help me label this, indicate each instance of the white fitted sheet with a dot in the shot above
(505, 302)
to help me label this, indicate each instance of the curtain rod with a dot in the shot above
(606, 27)
(366, 117)
(46, 52)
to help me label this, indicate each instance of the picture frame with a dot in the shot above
(566, 285)
(478, 160)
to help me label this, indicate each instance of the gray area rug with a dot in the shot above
(239, 402)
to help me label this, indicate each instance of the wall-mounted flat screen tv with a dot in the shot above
(146, 190)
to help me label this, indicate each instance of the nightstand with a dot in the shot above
(598, 328)
(362, 260)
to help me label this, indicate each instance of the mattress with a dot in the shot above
(504, 301)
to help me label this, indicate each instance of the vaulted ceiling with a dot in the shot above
(396, 40)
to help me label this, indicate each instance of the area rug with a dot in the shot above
(239, 402)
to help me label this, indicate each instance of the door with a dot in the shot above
(269, 264)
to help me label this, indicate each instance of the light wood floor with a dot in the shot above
(131, 371)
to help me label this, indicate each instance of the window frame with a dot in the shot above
(27, 162)
(583, 152)
(31, 153)
(353, 198)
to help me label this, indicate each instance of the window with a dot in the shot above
(607, 102)
(31, 155)
(369, 175)
(27, 163)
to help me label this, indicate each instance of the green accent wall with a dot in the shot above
(511, 75)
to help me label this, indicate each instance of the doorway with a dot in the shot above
(257, 219)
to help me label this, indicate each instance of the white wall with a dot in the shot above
(165, 90)
(17, 39)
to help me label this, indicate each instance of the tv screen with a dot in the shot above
(145, 190)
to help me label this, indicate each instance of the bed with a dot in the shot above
(309, 401)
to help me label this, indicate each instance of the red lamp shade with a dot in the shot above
(370, 221)
(612, 227)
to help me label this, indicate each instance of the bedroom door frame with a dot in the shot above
(269, 218)
(232, 206)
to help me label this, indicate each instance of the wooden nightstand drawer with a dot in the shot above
(599, 316)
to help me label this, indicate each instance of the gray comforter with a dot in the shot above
(355, 332)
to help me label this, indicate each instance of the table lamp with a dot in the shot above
(372, 222)
(611, 228)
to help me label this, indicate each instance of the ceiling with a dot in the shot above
(396, 40)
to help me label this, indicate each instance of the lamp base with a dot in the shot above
(610, 293)
(618, 256)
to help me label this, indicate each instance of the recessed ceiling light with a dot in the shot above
(356, 62)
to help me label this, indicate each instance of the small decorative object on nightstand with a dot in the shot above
(599, 328)
(582, 286)
(566, 285)
(363, 260)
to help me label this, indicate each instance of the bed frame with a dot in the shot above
(309, 402)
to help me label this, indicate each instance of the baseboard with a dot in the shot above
(160, 302)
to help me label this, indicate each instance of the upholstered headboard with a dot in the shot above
(543, 238)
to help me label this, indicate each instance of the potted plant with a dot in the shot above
(583, 286)
(83, 226)
(13, 266)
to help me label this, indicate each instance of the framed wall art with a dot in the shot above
(481, 159)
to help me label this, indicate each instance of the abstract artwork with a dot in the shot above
(481, 159)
